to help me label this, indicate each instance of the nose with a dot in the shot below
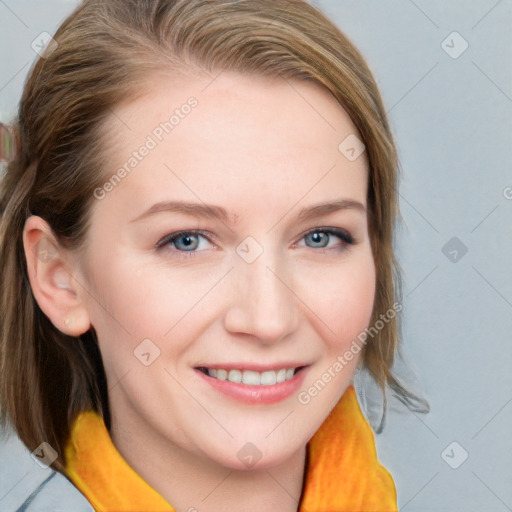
(262, 301)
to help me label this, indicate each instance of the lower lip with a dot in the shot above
(257, 394)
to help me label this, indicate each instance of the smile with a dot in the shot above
(250, 377)
(254, 387)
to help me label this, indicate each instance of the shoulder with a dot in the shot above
(25, 486)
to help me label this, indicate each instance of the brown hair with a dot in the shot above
(105, 52)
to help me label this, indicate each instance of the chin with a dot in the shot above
(241, 455)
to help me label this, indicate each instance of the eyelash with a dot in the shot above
(345, 237)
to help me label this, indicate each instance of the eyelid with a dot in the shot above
(343, 234)
(339, 232)
(172, 236)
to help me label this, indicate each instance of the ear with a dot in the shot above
(51, 275)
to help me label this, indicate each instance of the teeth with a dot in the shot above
(268, 378)
(235, 376)
(252, 378)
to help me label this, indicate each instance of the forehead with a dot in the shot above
(231, 135)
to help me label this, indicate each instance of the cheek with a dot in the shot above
(141, 300)
(155, 300)
(134, 301)
(117, 300)
(342, 300)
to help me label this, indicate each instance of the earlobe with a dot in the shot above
(50, 273)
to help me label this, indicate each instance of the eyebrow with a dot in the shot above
(219, 213)
(319, 210)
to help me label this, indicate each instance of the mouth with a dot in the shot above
(253, 385)
(251, 377)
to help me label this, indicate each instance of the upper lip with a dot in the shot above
(253, 366)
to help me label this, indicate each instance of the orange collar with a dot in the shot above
(343, 472)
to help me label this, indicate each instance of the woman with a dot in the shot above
(198, 235)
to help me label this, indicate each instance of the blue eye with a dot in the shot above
(188, 243)
(320, 237)
(183, 241)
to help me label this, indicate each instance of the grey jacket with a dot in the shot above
(27, 485)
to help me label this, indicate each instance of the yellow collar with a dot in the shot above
(343, 472)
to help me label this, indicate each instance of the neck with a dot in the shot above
(192, 482)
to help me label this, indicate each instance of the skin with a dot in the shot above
(263, 149)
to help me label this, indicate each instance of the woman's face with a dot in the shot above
(235, 246)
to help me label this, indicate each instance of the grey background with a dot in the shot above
(452, 122)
